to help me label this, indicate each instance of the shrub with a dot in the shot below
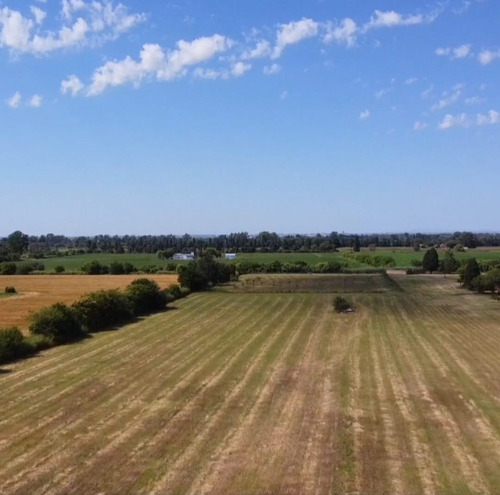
(10, 290)
(175, 290)
(8, 269)
(59, 269)
(103, 309)
(58, 322)
(38, 342)
(12, 345)
(145, 296)
(94, 268)
(27, 268)
(116, 268)
(340, 304)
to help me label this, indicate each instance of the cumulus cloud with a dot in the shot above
(270, 70)
(364, 115)
(72, 85)
(36, 101)
(487, 56)
(294, 32)
(450, 121)
(164, 66)
(15, 100)
(343, 33)
(492, 117)
(96, 21)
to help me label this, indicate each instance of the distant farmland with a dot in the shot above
(403, 258)
(267, 393)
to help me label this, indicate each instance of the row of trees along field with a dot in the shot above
(18, 243)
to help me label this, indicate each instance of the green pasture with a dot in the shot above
(403, 258)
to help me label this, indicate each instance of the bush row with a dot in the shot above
(21, 269)
(60, 324)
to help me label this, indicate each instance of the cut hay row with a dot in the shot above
(268, 393)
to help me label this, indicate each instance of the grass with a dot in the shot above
(403, 258)
(267, 393)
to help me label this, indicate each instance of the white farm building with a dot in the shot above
(184, 257)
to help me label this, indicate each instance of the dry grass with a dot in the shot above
(266, 393)
(38, 291)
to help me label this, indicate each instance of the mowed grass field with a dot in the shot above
(39, 291)
(267, 393)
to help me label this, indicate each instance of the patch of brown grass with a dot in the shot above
(39, 291)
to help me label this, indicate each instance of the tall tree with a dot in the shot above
(17, 242)
(430, 263)
(470, 273)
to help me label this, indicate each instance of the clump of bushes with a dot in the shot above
(59, 269)
(13, 344)
(103, 309)
(341, 304)
(10, 290)
(60, 323)
(145, 296)
(8, 268)
(30, 267)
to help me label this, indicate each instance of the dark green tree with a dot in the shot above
(17, 243)
(430, 263)
(449, 264)
(356, 245)
(470, 272)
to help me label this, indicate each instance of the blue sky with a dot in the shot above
(211, 116)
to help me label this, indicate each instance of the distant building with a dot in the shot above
(184, 257)
(230, 256)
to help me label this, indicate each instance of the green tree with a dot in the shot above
(58, 322)
(17, 243)
(356, 245)
(470, 272)
(430, 263)
(449, 264)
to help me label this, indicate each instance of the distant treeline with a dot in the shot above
(242, 242)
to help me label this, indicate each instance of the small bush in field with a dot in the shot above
(10, 290)
(340, 304)
(12, 344)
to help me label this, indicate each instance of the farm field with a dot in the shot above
(402, 256)
(39, 291)
(267, 393)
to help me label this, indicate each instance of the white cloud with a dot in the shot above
(97, 21)
(442, 52)
(450, 121)
(448, 99)
(427, 92)
(384, 91)
(15, 100)
(239, 68)
(344, 33)
(492, 117)
(410, 81)
(15, 30)
(420, 126)
(365, 114)
(270, 70)
(461, 51)
(292, 33)
(487, 56)
(72, 85)
(36, 101)
(164, 66)
(284, 95)
(38, 14)
(474, 100)
(261, 50)
(392, 18)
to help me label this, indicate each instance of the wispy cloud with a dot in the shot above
(420, 126)
(492, 117)
(461, 51)
(450, 121)
(343, 33)
(487, 56)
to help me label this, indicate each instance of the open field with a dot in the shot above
(39, 291)
(267, 393)
(402, 256)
